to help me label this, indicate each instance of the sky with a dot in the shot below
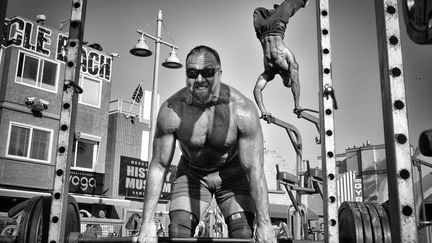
(226, 25)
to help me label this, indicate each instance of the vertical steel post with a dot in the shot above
(398, 153)
(3, 8)
(326, 103)
(68, 113)
(153, 112)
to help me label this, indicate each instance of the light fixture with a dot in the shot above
(114, 55)
(141, 49)
(40, 19)
(172, 61)
(29, 101)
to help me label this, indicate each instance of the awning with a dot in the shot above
(281, 211)
(278, 211)
(80, 198)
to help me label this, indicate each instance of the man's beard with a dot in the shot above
(204, 98)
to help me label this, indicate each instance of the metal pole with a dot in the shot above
(153, 112)
(327, 138)
(68, 113)
(3, 7)
(398, 152)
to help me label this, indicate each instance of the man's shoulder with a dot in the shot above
(239, 100)
(243, 109)
(170, 110)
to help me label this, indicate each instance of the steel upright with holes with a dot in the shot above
(326, 105)
(67, 124)
(398, 156)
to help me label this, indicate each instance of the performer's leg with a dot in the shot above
(182, 224)
(235, 202)
(239, 213)
(189, 199)
(184, 214)
(288, 8)
(240, 225)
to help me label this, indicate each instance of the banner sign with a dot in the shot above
(133, 178)
(51, 43)
(86, 182)
(358, 190)
(349, 187)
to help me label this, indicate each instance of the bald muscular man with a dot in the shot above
(221, 140)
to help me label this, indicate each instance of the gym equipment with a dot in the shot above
(310, 186)
(425, 143)
(75, 237)
(363, 222)
(34, 224)
(417, 16)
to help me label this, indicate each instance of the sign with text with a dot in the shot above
(133, 178)
(86, 182)
(51, 43)
(358, 190)
(349, 187)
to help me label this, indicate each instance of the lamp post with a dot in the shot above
(141, 49)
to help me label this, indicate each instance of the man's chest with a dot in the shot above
(216, 128)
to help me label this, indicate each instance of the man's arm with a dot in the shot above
(259, 87)
(251, 154)
(163, 151)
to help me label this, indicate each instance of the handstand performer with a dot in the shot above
(270, 25)
(221, 140)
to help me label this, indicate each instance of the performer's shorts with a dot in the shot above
(273, 21)
(225, 183)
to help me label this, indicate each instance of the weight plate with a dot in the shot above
(36, 223)
(375, 222)
(350, 223)
(73, 223)
(385, 223)
(367, 227)
(27, 220)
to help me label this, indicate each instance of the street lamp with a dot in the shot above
(141, 49)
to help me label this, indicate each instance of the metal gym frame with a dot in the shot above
(398, 157)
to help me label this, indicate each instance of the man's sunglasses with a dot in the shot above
(205, 73)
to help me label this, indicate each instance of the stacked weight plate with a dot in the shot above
(34, 223)
(363, 222)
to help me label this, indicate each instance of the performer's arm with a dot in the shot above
(163, 151)
(251, 153)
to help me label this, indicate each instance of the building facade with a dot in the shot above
(31, 86)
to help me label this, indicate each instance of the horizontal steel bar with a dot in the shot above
(157, 39)
(74, 239)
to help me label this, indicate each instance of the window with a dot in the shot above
(91, 94)
(37, 72)
(86, 152)
(29, 142)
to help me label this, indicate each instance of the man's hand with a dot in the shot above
(148, 233)
(264, 234)
(266, 116)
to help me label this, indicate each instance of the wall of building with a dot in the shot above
(125, 139)
(44, 43)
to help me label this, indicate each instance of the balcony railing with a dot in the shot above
(130, 110)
